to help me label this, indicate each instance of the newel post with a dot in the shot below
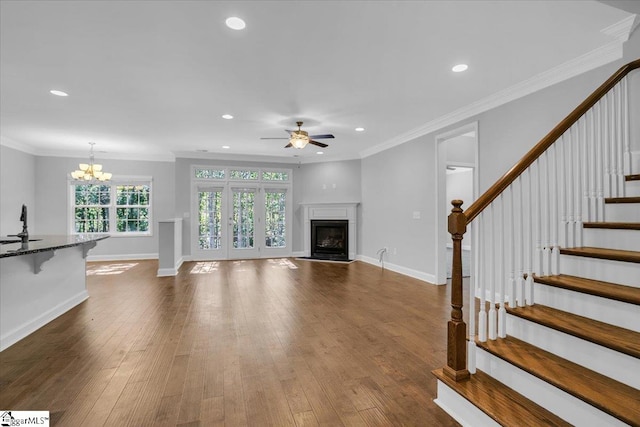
(456, 328)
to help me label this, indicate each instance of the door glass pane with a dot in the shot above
(275, 225)
(243, 220)
(210, 216)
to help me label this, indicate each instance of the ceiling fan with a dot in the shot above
(300, 138)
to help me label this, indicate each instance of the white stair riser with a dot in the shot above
(564, 405)
(619, 366)
(622, 212)
(623, 273)
(632, 188)
(463, 411)
(627, 240)
(613, 312)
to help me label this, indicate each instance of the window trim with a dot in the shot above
(113, 206)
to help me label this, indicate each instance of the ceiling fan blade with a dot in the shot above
(274, 138)
(289, 131)
(325, 136)
(319, 144)
(288, 145)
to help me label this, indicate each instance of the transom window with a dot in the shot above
(118, 208)
(241, 174)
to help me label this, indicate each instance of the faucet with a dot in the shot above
(24, 235)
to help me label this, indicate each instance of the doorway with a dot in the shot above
(456, 178)
(240, 214)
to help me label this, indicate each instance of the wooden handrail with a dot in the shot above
(512, 174)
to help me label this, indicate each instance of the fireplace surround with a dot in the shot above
(324, 214)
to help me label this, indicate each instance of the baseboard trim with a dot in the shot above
(420, 275)
(122, 257)
(163, 272)
(28, 328)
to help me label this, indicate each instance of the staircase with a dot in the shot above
(556, 335)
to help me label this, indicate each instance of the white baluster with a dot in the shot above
(502, 312)
(619, 141)
(584, 162)
(482, 268)
(563, 192)
(591, 149)
(625, 127)
(513, 248)
(545, 219)
(522, 246)
(553, 220)
(571, 241)
(530, 243)
(599, 171)
(608, 182)
(493, 315)
(471, 343)
(578, 183)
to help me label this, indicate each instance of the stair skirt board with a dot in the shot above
(612, 239)
(620, 272)
(613, 364)
(460, 409)
(564, 405)
(617, 313)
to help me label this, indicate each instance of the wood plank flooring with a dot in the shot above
(278, 342)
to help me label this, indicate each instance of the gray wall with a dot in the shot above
(308, 181)
(52, 200)
(17, 187)
(401, 180)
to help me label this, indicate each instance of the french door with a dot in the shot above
(239, 221)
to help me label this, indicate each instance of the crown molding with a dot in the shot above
(7, 142)
(596, 58)
(623, 29)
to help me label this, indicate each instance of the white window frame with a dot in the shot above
(260, 185)
(113, 206)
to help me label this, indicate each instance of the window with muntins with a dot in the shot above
(118, 208)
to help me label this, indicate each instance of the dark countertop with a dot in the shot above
(41, 243)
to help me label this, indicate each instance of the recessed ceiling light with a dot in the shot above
(319, 152)
(459, 68)
(235, 23)
(227, 116)
(226, 147)
(359, 129)
(58, 92)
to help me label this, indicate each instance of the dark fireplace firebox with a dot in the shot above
(330, 239)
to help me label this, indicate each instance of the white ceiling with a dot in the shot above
(151, 79)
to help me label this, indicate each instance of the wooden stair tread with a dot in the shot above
(503, 404)
(613, 225)
(613, 397)
(634, 177)
(603, 253)
(619, 339)
(598, 288)
(622, 200)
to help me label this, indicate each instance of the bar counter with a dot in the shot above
(40, 281)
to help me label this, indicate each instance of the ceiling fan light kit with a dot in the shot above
(300, 138)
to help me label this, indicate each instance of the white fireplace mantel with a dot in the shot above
(340, 210)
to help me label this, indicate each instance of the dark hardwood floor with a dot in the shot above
(263, 342)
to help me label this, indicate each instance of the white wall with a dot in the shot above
(52, 201)
(17, 187)
(400, 180)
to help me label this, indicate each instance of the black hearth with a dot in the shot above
(330, 239)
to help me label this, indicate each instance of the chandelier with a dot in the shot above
(90, 171)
